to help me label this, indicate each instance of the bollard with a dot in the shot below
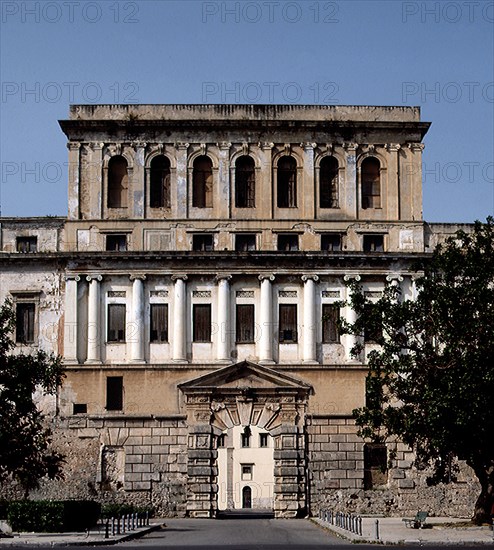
(122, 518)
(118, 526)
(134, 520)
(147, 518)
(377, 530)
(107, 529)
(128, 522)
(359, 525)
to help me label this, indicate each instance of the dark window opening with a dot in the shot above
(114, 393)
(263, 440)
(221, 441)
(158, 323)
(116, 243)
(80, 408)
(118, 182)
(331, 242)
(245, 324)
(116, 322)
(288, 323)
(328, 183)
(371, 183)
(159, 185)
(330, 318)
(287, 182)
(27, 244)
(288, 243)
(373, 331)
(202, 323)
(245, 437)
(202, 182)
(245, 182)
(375, 465)
(24, 322)
(245, 242)
(373, 243)
(202, 242)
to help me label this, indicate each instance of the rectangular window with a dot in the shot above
(372, 334)
(245, 324)
(246, 472)
(116, 322)
(202, 323)
(373, 243)
(116, 243)
(330, 317)
(245, 439)
(331, 242)
(263, 440)
(26, 244)
(158, 323)
(288, 243)
(25, 322)
(288, 323)
(202, 242)
(221, 441)
(245, 242)
(80, 408)
(375, 465)
(114, 393)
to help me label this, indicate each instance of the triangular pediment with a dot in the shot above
(242, 376)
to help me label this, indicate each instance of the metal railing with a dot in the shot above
(346, 521)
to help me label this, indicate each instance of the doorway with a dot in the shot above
(246, 497)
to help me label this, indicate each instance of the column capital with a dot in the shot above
(352, 277)
(416, 146)
(265, 145)
(394, 278)
(73, 145)
(179, 276)
(72, 277)
(222, 277)
(224, 145)
(392, 147)
(310, 277)
(308, 146)
(94, 277)
(350, 147)
(182, 145)
(97, 145)
(137, 276)
(268, 276)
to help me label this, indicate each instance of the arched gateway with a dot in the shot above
(245, 395)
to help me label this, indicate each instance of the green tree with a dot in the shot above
(24, 436)
(431, 381)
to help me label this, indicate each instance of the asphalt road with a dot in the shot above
(249, 534)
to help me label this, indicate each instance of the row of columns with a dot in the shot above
(179, 340)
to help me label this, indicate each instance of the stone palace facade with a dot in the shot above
(194, 291)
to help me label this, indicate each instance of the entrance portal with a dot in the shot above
(246, 497)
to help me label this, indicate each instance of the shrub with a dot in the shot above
(53, 516)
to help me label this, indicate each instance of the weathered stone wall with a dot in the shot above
(336, 462)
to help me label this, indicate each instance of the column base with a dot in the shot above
(91, 362)
(310, 362)
(184, 361)
(71, 362)
(266, 362)
(137, 361)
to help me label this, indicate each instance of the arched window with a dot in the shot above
(245, 182)
(118, 182)
(159, 185)
(370, 171)
(202, 182)
(287, 182)
(328, 183)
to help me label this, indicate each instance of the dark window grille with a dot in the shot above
(202, 183)
(330, 317)
(245, 324)
(24, 322)
(27, 244)
(202, 242)
(116, 243)
(159, 323)
(245, 243)
(202, 323)
(118, 182)
(331, 242)
(116, 322)
(288, 323)
(328, 183)
(245, 182)
(371, 183)
(159, 188)
(287, 182)
(114, 393)
(288, 243)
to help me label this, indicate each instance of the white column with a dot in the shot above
(396, 281)
(223, 353)
(351, 316)
(310, 322)
(180, 319)
(266, 318)
(70, 323)
(137, 330)
(93, 320)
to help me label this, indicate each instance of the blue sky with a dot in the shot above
(437, 55)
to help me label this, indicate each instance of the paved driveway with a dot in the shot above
(235, 534)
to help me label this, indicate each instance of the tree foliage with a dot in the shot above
(431, 380)
(24, 436)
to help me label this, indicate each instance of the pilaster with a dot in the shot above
(93, 320)
(137, 328)
(74, 180)
(179, 194)
(180, 319)
(266, 318)
(351, 185)
(223, 348)
(70, 323)
(310, 322)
